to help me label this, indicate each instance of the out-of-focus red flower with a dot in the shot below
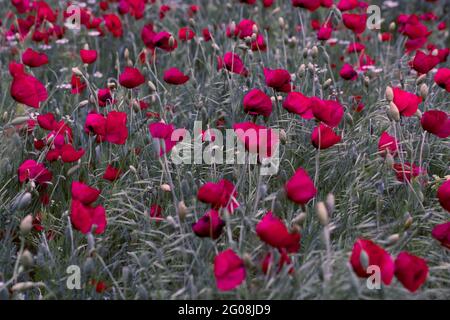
(163, 41)
(111, 128)
(88, 56)
(442, 78)
(257, 139)
(85, 217)
(78, 85)
(284, 259)
(210, 225)
(424, 63)
(323, 137)
(33, 58)
(329, 112)
(32, 170)
(324, 32)
(407, 171)
(375, 256)
(407, 103)
(168, 134)
(443, 195)
(297, 103)
(387, 144)
(111, 173)
(300, 188)
(113, 24)
(206, 34)
(186, 33)
(311, 5)
(83, 193)
(347, 5)
(272, 231)
(259, 44)
(410, 270)
(278, 79)
(175, 76)
(163, 10)
(25, 88)
(220, 195)
(131, 78)
(156, 213)
(229, 270)
(233, 63)
(104, 97)
(355, 22)
(257, 102)
(436, 122)
(441, 233)
(348, 73)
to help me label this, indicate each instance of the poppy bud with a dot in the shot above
(393, 113)
(408, 221)
(86, 46)
(423, 90)
(418, 114)
(283, 136)
(327, 84)
(435, 52)
(77, 71)
(314, 52)
(311, 68)
(281, 22)
(247, 258)
(215, 47)
(22, 286)
(255, 29)
(171, 41)
(129, 62)
(165, 187)
(151, 85)
(192, 22)
(305, 53)
(330, 202)
(393, 238)
(26, 224)
(232, 27)
(421, 79)
(126, 54)
(22, 201)
(301, 70)
(322, 213)
(26, 259)
(83, 103)
(392, 26)
(299, 219)
(389, 94)
(366, 81)
(5, 116)
(171, 221)
(182, 210)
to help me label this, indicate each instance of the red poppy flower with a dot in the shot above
(348, 73)
(162, 40)
(168, 134)
(26, 89)
(257, 139)
(324, 137)
(47, 121)
(78, 85)
(234, 64)
(259, 44)
(84, 218)
(111, 173)
(70, 154)
(347, 5)
(324, 32)
(410, 270)
(329, 112)
(407, 103)
(229, 270)
(311, 5)
(278, 79)
(104, 97)
(442, 78)
(175, 76)
(443, 195)
(131, 78)
(113, 24)
(272, 231)
(387, 143)
(186, 33)
(436, 122)
(33, 58)
(355, 22)
(376, 255)
(210, 225)
(441, 233)
(116, 127)
(257, 102)
(297, 103)
(156, 213)
(206, 34)
(83, 193)
(88, 56)
(32, 170)
(300, 188)
(407, 171)
(424, 63)
(245, 28)
(220, 195)
(284, 259)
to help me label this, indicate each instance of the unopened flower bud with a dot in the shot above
(182, 210)
(423, 90)
(299, 219)
(322, 213)
(393, 113)
(330, 202)
(26, 259)
(26, 225)
(314, 52)
(389, 94)
(281, 22)
(327, 84)
(283, 136)
(77, 71)
(165, 187)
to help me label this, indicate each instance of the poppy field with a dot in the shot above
(347, 100)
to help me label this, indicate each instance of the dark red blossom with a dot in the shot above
(257, 102)
(443, 195)
(210, 225)
(300, 188)
(436, 122)
(410, 270)
(278, 79)
(175, 76)
(220, 195)
(441, 233)
(272, 231)
(33, 58)
(229, 270)
(324, 137)
(131, 78)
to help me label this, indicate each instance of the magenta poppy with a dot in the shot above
(355, 22)
(348, 73)
(311, 5)
(83, 193)
(424, 63)
(329, 112)
(156, 213)
(443, 195)
(347, 5)
(300, 188)
(297, 103)
(441, 233)
(410, 270)
(175, 76)
(220, 195)
(387, 144)
(88, 56)
(407, 171)
(33, 58)
(210, 225)
(278, 79)
(26, 89)
(32, 170)
(323, 137)
(407, 103)
(442, 78)
(131, 78)
(229, 270)
(77, 83)
(234, 64)
(377, 256)
(257, 102)
(166, 133)
(257, 139)
(113, 24)
(85, 218)
(186, 33)
(104, 97)
(436, 122)
(162, 40)
(272, 231)
(111, 173)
